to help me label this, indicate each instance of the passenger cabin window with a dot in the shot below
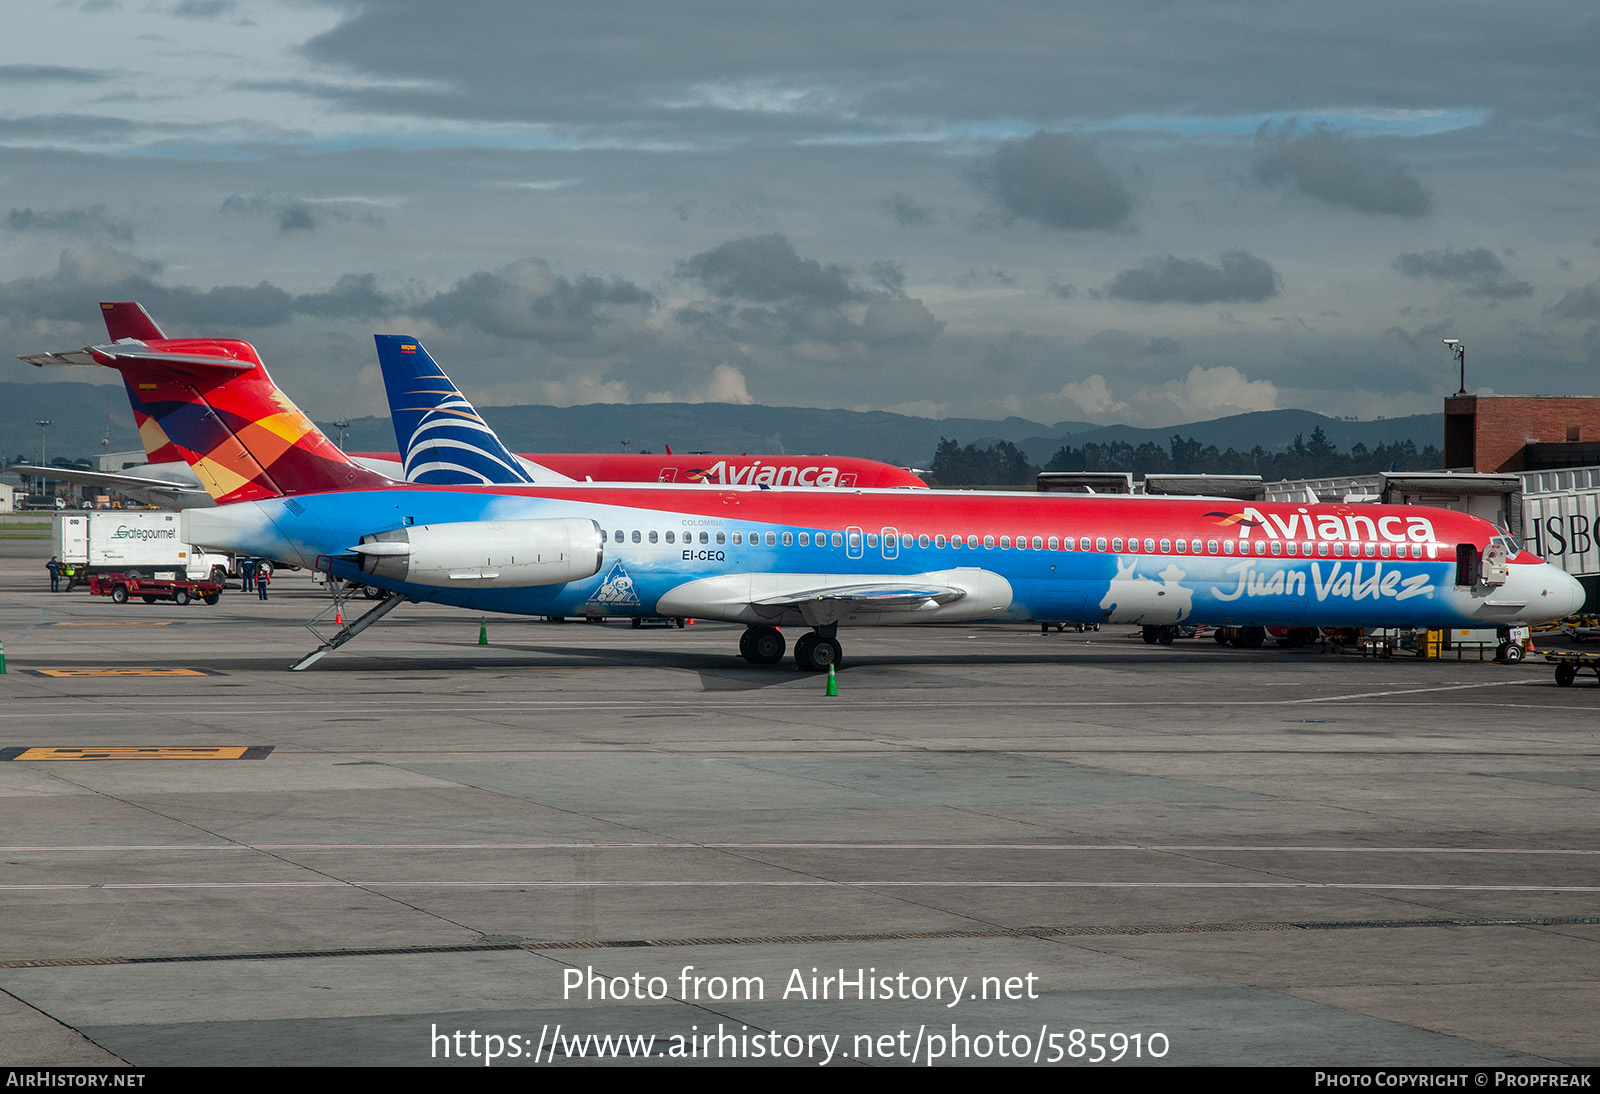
(654, 536)
(636, 536)
(788, 539)
(1100, 543)
(722, 537)
(669, 538)
(1277, 548)
(1166, 546)
(772, 539)
(938, 541)
(616, 537)
(838, 539)
(1227, 546)
(1116, 544)
(1083, 544)
(805, 539)
(872, 539)
(1183, 546)
(1150, 546)
(988, 542)
(922, 541)
(738, 538)
(1005, 543)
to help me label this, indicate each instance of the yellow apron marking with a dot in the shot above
(89, 752)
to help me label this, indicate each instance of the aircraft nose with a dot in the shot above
(1567, 593)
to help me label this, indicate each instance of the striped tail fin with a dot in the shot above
(443, 440)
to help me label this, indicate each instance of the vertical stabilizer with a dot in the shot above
(443, 440)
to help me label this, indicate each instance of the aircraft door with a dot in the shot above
(891, 543)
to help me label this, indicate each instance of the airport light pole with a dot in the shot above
(341, 427)
(44, 478)
(1460, 352)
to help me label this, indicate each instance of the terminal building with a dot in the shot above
(1529, 463)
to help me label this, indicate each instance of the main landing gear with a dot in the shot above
(815, 651)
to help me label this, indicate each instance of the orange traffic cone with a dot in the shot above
(338, 617)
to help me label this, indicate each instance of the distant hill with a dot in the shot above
(78, 412)
(1273, 430)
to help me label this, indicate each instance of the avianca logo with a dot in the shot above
(1330, 526)
(722, 473)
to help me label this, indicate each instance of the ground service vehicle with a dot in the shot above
(122, 588)
(137, 543)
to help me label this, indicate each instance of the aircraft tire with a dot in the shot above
(1566, 674)
(826, 653)
(1165, 635)
(766, 645)
(1251, 638)
(802, 651)
(1221, 636)
(1510, 653)
(1148, 634)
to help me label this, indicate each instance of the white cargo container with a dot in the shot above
(133, 542)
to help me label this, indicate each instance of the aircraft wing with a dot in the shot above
(819, 599)
(866, 598)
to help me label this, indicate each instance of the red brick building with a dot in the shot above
(1490, 433)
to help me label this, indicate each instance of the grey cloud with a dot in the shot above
(1059, 181)
(78, 127)
(1581, 303)
(80, 221)
(1480, 270)
(1237, 277)
(1122, 344)
(527, 301)
(1325, 164)
(905, 211)
(353, 296)
(30, 74)
(293, 214)
(767, 269)
(203, 9)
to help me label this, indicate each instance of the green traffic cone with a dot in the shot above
(483, 632)
(833, 682)
(2, 659)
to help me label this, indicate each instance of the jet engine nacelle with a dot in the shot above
(490, 554)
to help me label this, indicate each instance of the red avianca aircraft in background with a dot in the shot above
(816, 558)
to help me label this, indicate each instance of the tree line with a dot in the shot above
(1004, 464)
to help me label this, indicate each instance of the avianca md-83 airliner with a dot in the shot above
(816, 558)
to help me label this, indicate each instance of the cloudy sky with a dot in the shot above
(1147, 212)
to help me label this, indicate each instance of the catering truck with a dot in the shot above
(136, 543)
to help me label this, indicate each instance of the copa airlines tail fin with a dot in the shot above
(210, 402)
(443, 440)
